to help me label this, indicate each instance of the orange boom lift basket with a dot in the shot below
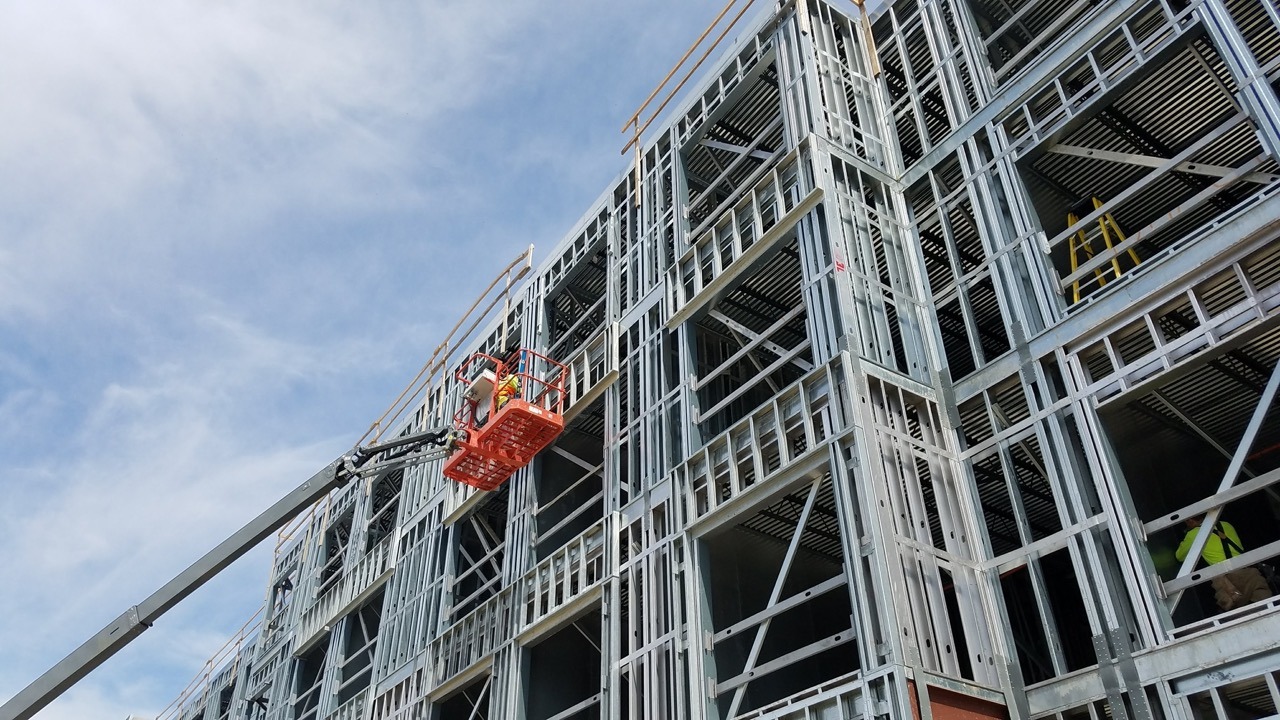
(511, 411)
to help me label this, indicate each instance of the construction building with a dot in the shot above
(899, 353)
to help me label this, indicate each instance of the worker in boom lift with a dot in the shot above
(508, 388)
(1236, 588)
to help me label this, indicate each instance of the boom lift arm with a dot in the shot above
(373, 459)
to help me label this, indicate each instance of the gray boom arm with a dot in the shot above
(97, 649)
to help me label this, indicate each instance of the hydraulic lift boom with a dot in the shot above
(374, 459)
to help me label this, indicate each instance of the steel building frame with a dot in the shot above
(842, 441)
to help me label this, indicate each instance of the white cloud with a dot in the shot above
(163, 469)
(173, 446)
(207, 119)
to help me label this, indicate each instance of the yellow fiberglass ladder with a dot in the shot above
(1079, 244)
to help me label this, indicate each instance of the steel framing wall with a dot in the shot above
(857, 428)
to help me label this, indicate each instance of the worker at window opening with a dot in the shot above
(1236, 588)
(508, 388)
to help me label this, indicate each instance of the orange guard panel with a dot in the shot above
(505, 444)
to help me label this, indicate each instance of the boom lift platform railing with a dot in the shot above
(489, 438)
(513, 409)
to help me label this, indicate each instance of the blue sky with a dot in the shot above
(230, 232)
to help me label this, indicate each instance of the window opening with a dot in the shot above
(479, 550)
(308, 676)
(469, 703)
(753, 342)
(780, 608)
(565, 672)
(225, 697)
(336, 541)
(1176, 442)
(1136, 172)
(569, 486)
(361, 638)
(384, 508)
